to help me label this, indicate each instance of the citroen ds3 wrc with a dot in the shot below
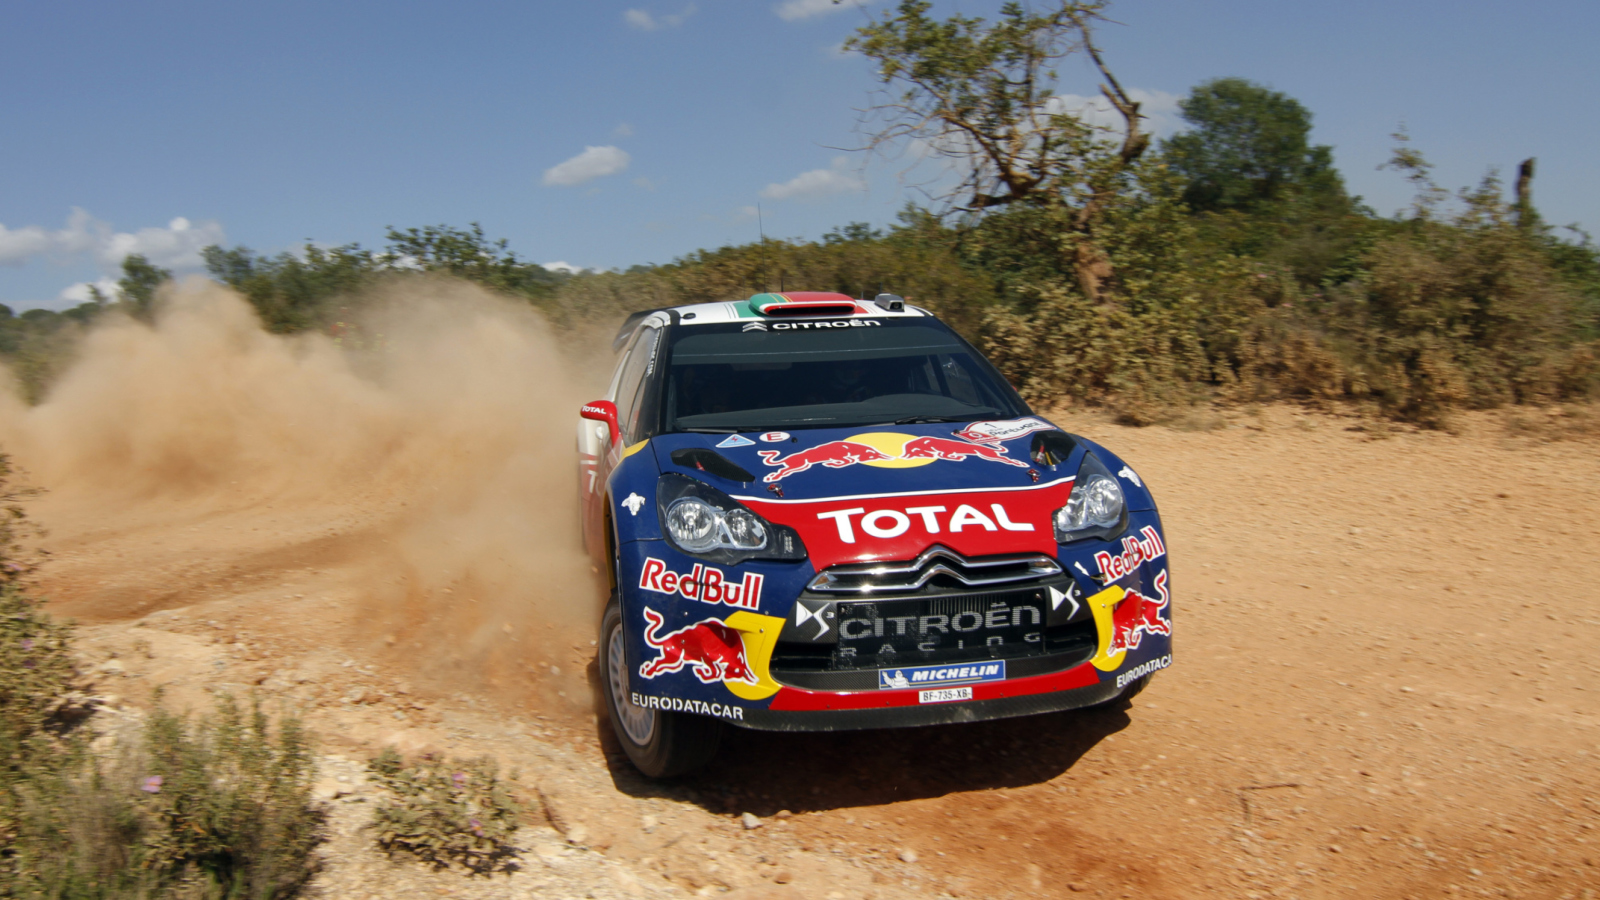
(820, 513)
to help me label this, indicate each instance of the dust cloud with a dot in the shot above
(424, 468)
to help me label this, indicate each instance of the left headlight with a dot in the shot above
(702, 521)
(1095, 507)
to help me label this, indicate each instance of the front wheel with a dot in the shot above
(659, 743)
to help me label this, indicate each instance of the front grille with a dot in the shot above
(939, 566)
(934, 629)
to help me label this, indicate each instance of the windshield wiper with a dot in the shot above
(710, 430)
(926, 420)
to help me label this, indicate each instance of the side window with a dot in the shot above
(630, 385)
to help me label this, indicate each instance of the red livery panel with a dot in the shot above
(870, 528)
(800, 700)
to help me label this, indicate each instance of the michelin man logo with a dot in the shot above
(633, 503)
(1131, 476)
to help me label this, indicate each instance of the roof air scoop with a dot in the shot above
(804, 303)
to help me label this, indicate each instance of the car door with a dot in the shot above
(598, 457)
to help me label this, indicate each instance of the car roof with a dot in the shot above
(744, 310)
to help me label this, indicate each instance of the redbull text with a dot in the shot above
(1134, 552)
(703, 583)
(712, 650)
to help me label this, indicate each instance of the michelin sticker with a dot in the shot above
(633, 503)
(1131, 476)
(929, 676)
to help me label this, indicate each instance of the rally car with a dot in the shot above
(821, 513)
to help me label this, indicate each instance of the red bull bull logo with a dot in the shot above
(956, 451)
(1138, 615)
(709, 648)
(882, 449)
(833, 454)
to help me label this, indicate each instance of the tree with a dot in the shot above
(468, 254)
(984, 95)
(1250, 147)
(139, 281)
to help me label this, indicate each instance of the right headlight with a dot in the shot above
(701, 520)
(1095, 508)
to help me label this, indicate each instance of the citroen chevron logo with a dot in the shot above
(755, 326)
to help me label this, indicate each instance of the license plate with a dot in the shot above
(944, 695)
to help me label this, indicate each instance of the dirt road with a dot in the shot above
(1384, 681)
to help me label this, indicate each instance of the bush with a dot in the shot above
(442, 811)
(220, 807)
(213, 808)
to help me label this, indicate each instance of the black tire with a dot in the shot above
(673, 743)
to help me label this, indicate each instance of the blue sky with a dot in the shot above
(160, 126)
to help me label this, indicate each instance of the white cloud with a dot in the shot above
(562, 266)
(79, 293)
(795, 10)
(177, 246)
(644, 20)
(592, 163)
(817, 183)
(1159, 108)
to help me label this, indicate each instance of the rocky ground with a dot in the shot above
(1384, 686)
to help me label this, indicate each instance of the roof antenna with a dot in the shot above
(761, 229)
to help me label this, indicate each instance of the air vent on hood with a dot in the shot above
(711, 462)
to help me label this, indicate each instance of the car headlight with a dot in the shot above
(700, 520)
(1095, 508)
(697, 527)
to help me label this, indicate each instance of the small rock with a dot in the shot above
(751, 821)
(1333, 848)
(328, 789)
(648, 823)
(783, 876)
(1077, 886)
(783, 814)
(111, 667)
(908, 855)
(577, 834)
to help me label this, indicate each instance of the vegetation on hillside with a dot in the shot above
(178, 807)
(1227, 263)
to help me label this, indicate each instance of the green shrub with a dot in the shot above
(218, 807)
(441, 811)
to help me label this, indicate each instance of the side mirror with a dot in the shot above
(603, 411)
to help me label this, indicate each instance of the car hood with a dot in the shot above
(889, 492)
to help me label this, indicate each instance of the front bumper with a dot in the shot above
(720, 641)
(796, 710)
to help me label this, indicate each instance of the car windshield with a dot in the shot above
(827, 373)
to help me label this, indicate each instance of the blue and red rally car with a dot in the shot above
(820, 513)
